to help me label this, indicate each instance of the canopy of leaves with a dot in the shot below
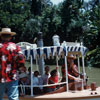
(72, 20)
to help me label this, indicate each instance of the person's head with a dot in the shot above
(36, 73)
(47, 69)
(23, 76)
(53, 73)
(29, 69)
(70, 59)
(22, 69)
(6, 37)
(6, 34)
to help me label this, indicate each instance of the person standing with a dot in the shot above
(11, 59)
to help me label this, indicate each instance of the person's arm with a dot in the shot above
(73, 78)
(51, 82)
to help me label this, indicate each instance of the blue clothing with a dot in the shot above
(11, 89)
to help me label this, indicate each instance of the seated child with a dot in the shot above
(52, 80)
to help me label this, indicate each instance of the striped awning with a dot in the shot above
(52, 51)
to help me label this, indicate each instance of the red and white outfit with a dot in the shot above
(11, 59)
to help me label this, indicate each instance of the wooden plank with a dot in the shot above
(71, 95)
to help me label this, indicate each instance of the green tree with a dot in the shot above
(37, 6)
(92, 35)
(72, 21)
(51, 22)
(13, 14)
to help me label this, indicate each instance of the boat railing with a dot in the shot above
(40, 86)
(47, 85)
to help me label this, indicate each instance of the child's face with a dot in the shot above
(55, 74)
(36, 74)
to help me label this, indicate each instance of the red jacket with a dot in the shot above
(10, 60)
(55, 80)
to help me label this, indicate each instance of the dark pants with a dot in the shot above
(37, 91)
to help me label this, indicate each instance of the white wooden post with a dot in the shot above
(79, 66)
(66, 69)
(36, 63)
(84, 74)
(57, 65)
(57, 60)
(83, 67)
(31, 76)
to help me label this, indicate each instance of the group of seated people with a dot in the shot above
(48, 78)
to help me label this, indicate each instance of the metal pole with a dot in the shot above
(79, 66)
(41, 59)
(83, 67)
(31, 76)
(36, 63)
(66, 73)
(57, 67)
(57, 60)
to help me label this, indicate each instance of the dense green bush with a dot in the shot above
(72, 20)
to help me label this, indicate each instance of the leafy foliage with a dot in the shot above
(14, 14)
(93, 34)
(72, 20)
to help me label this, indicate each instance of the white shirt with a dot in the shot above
(35, 81)
(45, 78)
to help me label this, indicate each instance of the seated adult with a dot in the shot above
(22, 69)
(23, 80)
(29, 74)
(72, 70)
(36, 90)
(45, 78)
(52, 80)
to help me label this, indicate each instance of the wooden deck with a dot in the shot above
(76, 95)
(85, 94)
